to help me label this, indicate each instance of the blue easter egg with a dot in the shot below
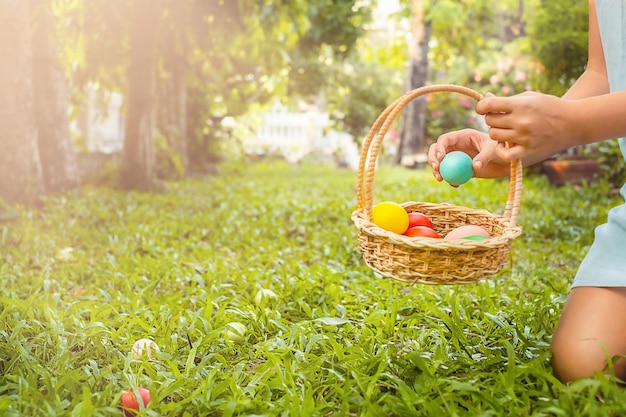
(456, 168)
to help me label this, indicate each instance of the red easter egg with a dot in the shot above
(131, 404)
(419, 219)
(422, 231)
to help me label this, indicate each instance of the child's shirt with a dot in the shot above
(612, 23)
(605, 263)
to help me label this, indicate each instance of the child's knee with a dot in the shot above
(571, 361)
(574, 359)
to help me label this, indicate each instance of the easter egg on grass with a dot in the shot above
(419, 219)
(390, 216)
(130, 402)
(456, 168)
(144, 347)
(235, 332)
(463, 232)
(422, 231)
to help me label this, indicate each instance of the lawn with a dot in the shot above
(272, 247)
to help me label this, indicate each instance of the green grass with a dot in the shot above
(87, 275)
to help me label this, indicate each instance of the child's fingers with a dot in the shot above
(508, 154)
(433, 159)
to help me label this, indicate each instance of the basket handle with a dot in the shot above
(373, 141)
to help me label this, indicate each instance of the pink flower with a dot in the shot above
(505, 89)
(494, 79)
(503, 66)
(520, 76)
(466, 102)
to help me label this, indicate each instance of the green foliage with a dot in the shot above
(477, 44)
(331, 36)
(559, 41)
(359, 93)
(338, 24)
(232, 54)
(361, 85)
(446, 113)
(469, 31)
(611, 161)
(87, 275)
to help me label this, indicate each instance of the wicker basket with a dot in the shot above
(428, 260)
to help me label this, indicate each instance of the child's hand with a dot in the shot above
(474, 143)
(536, 125)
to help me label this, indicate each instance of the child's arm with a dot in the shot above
(541, 125)
(594, 81)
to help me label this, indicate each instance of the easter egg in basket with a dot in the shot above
(391, 216)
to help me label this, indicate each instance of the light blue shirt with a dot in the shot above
(605, 263)
(612, 20)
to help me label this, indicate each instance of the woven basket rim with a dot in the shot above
(508, 234)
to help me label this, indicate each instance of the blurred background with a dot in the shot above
(138, 92)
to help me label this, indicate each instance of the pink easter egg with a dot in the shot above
(464, 231)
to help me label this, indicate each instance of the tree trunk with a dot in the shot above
(172, 90)
(137, 168)
(197, 139)
(58, 157)
(413, 127)
(21, 179)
